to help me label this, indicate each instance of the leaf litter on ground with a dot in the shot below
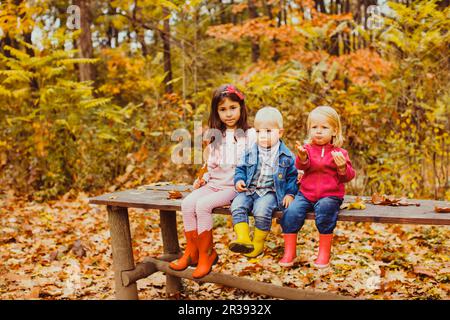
(61, 250)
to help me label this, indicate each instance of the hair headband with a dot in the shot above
(232, 89)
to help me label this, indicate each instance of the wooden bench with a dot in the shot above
(155, 197)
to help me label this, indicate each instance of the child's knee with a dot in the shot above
(290, 224)
(293, 212)
(188, 205)
(235, 205)
(328, 205)
(325, 225)
(239, 204)
(204, 206)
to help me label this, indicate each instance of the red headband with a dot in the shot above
(232, 89)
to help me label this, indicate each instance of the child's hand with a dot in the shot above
(340, 161)
(299, 176)
(240, 186)
(199, 183)
(301, 152)
(287, 200)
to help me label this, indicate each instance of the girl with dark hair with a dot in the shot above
(229, 135)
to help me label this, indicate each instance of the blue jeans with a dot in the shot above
(326, 210)
(262, 209)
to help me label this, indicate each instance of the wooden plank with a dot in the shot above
(151, 265)
(156, 198)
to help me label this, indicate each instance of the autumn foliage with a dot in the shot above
(150, 68)
(59, 134)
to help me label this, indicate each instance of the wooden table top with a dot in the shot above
(156, 197)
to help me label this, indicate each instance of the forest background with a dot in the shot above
(91, 92)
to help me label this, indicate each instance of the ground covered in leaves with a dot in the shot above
(61, 250)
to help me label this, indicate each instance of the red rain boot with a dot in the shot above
(290, 250)
(190, 256)
(323, 257)
(207, 255)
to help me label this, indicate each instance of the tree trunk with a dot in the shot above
(84, 42)
(196, 37)
(223, 19)
(111, 33)
(233, 15)
(165, 36)
(268, 9)
(320, 6)
(255, 45)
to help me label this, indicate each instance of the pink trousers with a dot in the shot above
(197, 206)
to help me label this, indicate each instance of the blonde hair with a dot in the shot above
(333, 119)
(271, 115)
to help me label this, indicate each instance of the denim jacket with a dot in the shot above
(284, 176)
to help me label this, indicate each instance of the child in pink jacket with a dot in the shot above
(326, 168)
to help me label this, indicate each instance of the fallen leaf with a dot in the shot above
(34, 293)
(424, 270)
(389, 200)
(78, 249)
(161, 183)
(141, 154)
(358, 204)
(8, 240)
(444, 271)
(445, 286)
(173, 194)
(442, 209)
(16, 277)
(54, 255)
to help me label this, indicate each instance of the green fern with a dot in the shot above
(95, 103)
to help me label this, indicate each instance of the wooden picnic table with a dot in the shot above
(156, 197)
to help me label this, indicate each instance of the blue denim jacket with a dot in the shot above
(284, 177)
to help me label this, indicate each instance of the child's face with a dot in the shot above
(321, 131)
(267, 134)
(229, 112)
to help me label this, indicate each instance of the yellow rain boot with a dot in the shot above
(258, 243)
(243, 243)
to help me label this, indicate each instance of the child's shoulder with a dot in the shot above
(251, 149)
(251, 130)
(284, 148)
(251, 135)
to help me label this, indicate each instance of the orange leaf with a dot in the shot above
(442, 209)
(34, 293)
(425, 271)
(173, 194)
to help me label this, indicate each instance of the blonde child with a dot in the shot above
(326, 168)
(266, 180)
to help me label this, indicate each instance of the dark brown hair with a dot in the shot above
(231, 92)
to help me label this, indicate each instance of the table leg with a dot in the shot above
(122, 251)
(168, 222)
